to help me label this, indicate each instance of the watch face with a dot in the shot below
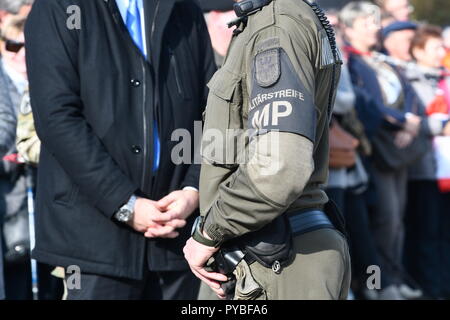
(124, 215)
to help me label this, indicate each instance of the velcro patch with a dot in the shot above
(267, 67)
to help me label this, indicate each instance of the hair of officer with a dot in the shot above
(13, 6)
(355, 10)
(13, 25)
(423, 34)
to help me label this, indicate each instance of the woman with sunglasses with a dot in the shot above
(13, 79)
(12, 50)
(13, 82)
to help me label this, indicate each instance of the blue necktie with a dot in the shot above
(133, 22)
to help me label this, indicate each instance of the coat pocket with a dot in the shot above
(223, 135)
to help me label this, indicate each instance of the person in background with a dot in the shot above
(399, 10)
(13, 207)
(379, 81)
(219, 32)
(397, 39)
(8, 8)
(446, 37)
(386, 19)
(427, 251)
(14, 7)
(218, 13)
(348, 180)
(17, 267)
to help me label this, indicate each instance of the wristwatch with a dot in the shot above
(126, 212)
(197, 233)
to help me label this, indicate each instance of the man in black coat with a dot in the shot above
(110, 81)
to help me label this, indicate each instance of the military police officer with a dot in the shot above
(265, 154)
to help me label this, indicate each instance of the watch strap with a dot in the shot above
(197, 236)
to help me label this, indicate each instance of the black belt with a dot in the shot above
(309, 221)
(227, 259)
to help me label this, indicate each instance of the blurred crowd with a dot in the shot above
(389, 157)
(389, 149)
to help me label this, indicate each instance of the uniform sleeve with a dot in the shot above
(52, 51)
(282, 118)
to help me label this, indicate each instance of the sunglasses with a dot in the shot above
(13, 46)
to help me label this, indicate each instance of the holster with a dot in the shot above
(271, 246)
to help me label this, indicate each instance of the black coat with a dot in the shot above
(95, 99)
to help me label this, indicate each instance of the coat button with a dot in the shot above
(135, 82)
(136, 149)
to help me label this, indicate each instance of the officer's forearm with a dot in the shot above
(264, 188)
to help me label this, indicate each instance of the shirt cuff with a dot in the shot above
(190, 188)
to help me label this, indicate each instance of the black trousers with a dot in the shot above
(2, 282)
(169, 285)
(445, 245)
(427, 248)
(18, 282)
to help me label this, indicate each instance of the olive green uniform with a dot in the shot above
(277, 81)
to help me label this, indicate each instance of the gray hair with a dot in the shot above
(358, 9)
(13, 6)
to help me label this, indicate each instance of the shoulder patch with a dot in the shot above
(267, 67)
